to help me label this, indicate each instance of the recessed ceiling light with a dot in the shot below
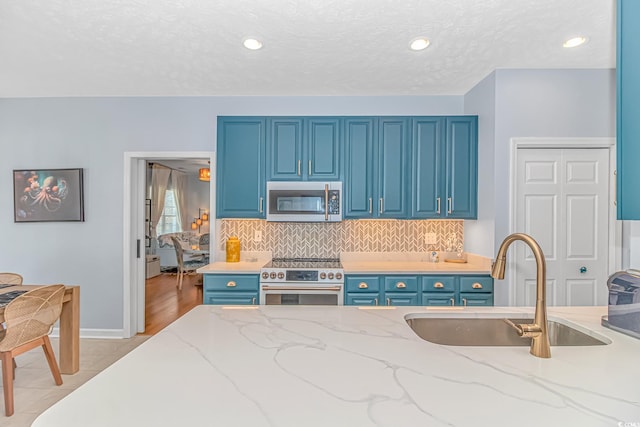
(252, 44)
(419, 43)
(574, 42)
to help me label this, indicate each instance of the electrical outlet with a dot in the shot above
(430, 238)
(257, 236)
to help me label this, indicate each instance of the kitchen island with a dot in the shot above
(294, 366)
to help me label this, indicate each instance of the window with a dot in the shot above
(169, 220)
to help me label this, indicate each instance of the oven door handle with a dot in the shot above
(301, 288)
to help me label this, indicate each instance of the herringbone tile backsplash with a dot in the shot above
(327, 240)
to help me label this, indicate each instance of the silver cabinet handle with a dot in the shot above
(438, 285)
(310, 168)
(299, 164)
(449, 205)
(363, 285)
(261, 204)
(253, 301)
(401, 285)
(438, 205)
(326, 202)
(370, 205)
(452, 301)
(231, 284)
(388, 301)
(381, 205)
(464, 302)
(476, 285)
(375, 300)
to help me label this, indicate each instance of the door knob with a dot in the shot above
(583, 269)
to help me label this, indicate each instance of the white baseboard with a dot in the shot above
(94, 333)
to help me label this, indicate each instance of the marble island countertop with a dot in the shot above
(313, 366)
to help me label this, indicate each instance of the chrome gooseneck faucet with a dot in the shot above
(537, 330)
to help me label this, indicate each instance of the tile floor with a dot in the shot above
(34, 389)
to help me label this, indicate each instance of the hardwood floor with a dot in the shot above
(164, 303)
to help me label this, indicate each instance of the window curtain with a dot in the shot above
(159, 181)
(179, 186)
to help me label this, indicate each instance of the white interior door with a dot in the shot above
(562, 202)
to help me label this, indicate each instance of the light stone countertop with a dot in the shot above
(319, 366)
(250, 263)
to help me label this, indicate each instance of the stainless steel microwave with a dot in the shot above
(304, 201)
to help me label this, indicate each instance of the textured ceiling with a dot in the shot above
(311, 47)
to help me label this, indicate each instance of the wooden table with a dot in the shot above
(69, 344)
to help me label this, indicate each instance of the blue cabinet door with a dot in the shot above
(628, 109)
(362, 299)
(427, 167)
(400, 298)
(358, 183)
(230, 298)
(393, 166)
(461, 163)
(472, 299)
(322, 149)
(240, 177)
(284, 147)
(439, 298)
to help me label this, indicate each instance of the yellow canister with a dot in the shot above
(233, 249)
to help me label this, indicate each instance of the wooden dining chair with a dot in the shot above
(10, 279)
(29, 319)
(185, 267)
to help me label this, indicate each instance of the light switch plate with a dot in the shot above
(430, 238)
(257, 236)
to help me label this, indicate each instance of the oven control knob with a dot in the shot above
(265, 275)
(273, 275)
(323, 275)
(330, 275)
(338, 276)
(281, 275)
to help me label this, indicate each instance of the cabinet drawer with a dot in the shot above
(231, 282)
(362, 283)
(231, 298)
(438, 283)
(401, 298)
(476, 284)
(401, 283)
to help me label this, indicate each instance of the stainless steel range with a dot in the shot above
(302, 281)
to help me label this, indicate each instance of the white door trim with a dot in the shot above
(615, 228)
(133, 274)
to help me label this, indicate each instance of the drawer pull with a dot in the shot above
(388, 301)
(452, 301)
(476, 285)
(231, 284)
(464, 302)
(438, 285)
(253, 300)
(401, 285)
(363, 285)
(375, 301)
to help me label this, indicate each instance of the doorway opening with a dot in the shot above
(165, 197)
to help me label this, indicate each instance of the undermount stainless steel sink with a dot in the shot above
(473, 331)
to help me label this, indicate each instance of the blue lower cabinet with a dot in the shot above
(471, 299)
(362, 298)
(401, 298)
(439, 298)
(232, 289)
(231, 298)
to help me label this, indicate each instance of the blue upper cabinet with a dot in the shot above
(240, 172)
(285, 149)
(393, 166)
(358, 180)
(628, 110)
(304, 149)
(461, 167)
(444, 167)
(427, 167)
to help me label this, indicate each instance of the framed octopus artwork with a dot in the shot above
(48, 195)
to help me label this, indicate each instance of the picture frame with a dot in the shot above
(41, 195)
